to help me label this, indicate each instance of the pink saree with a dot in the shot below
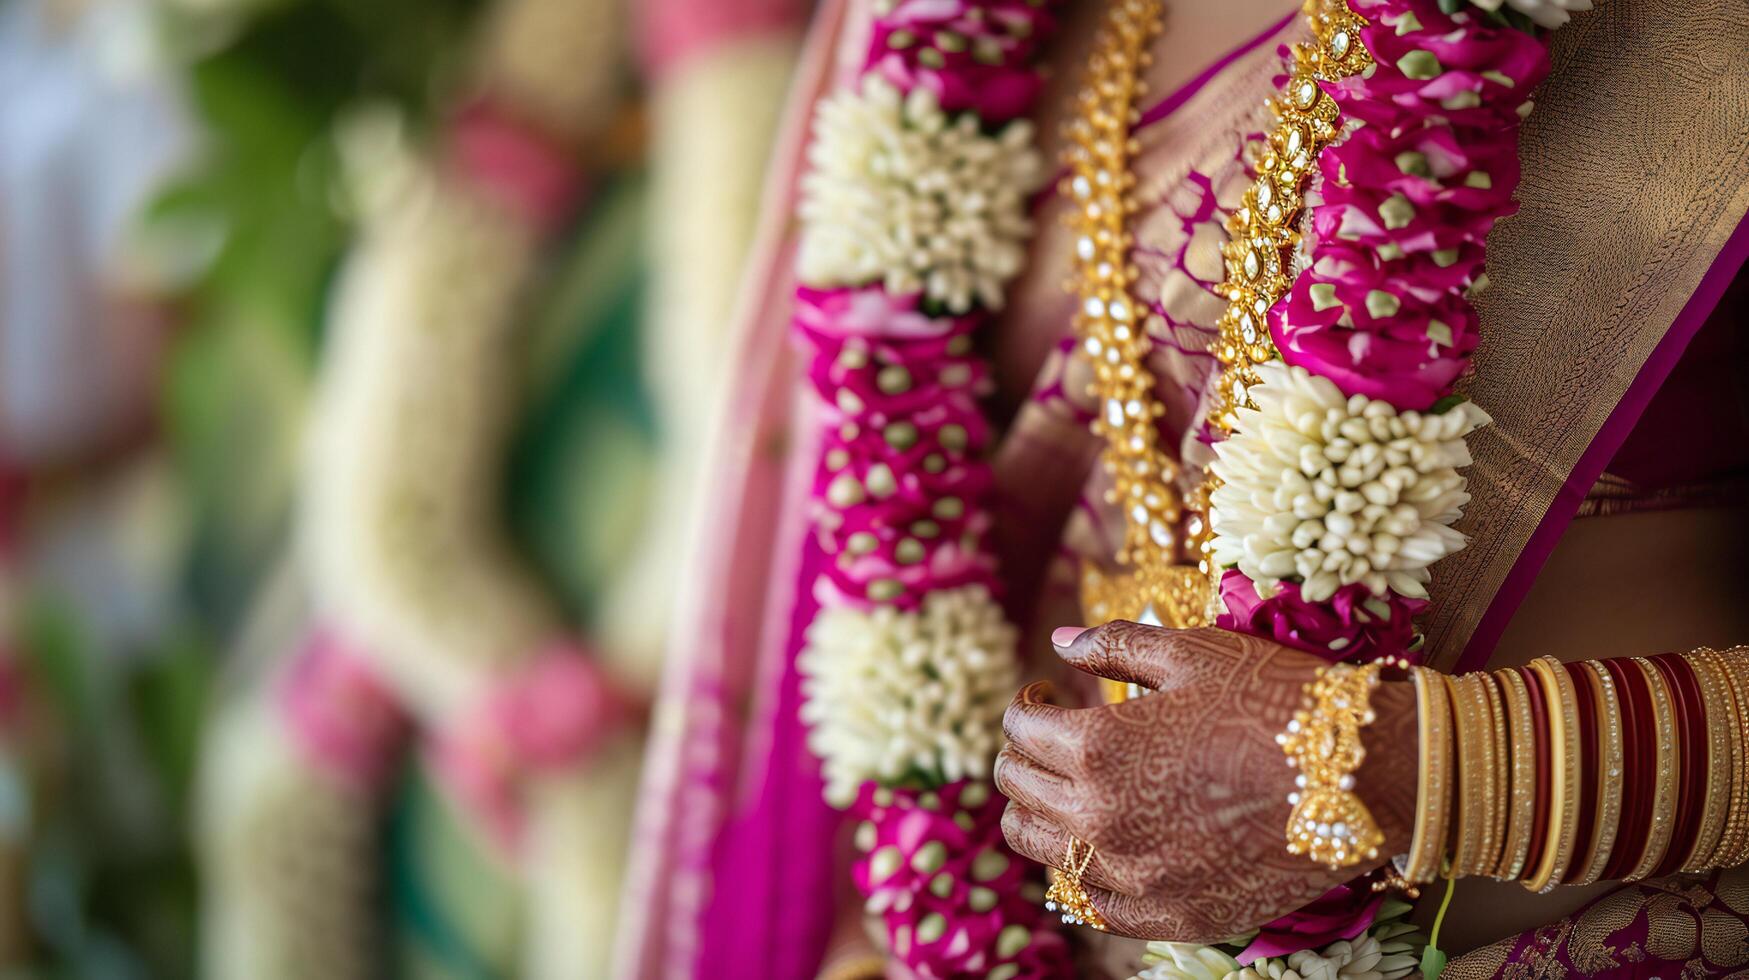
(1632, 225)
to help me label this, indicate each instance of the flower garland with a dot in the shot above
(1336, 489)
(914, 217)
(1389, 950)
(1336, 485)
(1339, 484)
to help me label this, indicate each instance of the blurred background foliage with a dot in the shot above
(121, 646)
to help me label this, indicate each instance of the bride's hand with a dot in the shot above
(1183, 792)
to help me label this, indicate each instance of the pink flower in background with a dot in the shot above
(974, 57)
(935, 868)
(550, 714)
(516, 164)
(340, 713)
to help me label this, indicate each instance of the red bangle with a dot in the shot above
(1539, 718)
(1639, 762)
(1588, 760)
(1691, 789)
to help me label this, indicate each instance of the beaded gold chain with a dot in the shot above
(1108, 321)
(1155, 586)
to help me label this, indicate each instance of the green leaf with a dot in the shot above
(1432, 963)
(1446, 404)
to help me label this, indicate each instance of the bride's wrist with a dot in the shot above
(1386, 779)
(1352, 748)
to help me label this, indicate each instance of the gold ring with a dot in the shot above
(1066, 896)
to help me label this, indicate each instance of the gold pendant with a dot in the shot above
(1173, 596)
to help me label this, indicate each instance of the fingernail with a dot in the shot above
(1065, 635)
(1038, 692)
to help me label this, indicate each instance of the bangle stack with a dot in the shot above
(1576, 773)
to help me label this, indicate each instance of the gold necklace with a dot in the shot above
(1153, 584)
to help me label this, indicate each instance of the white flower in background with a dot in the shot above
(1546, 13)
(890, 694)
(901, 194)
(1332, 490)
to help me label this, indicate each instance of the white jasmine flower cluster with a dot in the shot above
(901, 194)
(1390, 950)
(1188, 961)
(1548, 14)
(1332, 490)
(1364, 958)
(890, 694)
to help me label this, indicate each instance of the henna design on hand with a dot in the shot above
(1183, 792)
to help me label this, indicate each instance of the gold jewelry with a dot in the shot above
(1736, 670)
(1108, 323)
(1669, 761)
(1153, 586)
(1601, 689)
(1473, 776)
(1265, 228)
(1499, 797)
(870, 967)
(1432, 791)
(1521, 817)
(1329, 823)
(1563, 821)
(1716, 700)
(1066, 896)
(1393, 880)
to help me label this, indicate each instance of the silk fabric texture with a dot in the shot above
(1636, 182)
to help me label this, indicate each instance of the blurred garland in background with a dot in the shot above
(98, 753)
(273, 83)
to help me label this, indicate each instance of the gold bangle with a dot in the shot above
(1522, 816)
(1600, 687)
(1669, 762)
(1499, 797)
(1329, 823)
(1466, 828)
(1432, 790)
(1736, 671)
(1475, 748)
(1563, 821)
(1716, 701)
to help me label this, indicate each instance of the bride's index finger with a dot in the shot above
(1127, 652)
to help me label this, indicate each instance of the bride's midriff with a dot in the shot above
(1628, 585)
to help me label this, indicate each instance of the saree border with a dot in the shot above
(1603, 448)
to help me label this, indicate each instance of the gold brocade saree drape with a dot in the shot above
(1636, 179)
